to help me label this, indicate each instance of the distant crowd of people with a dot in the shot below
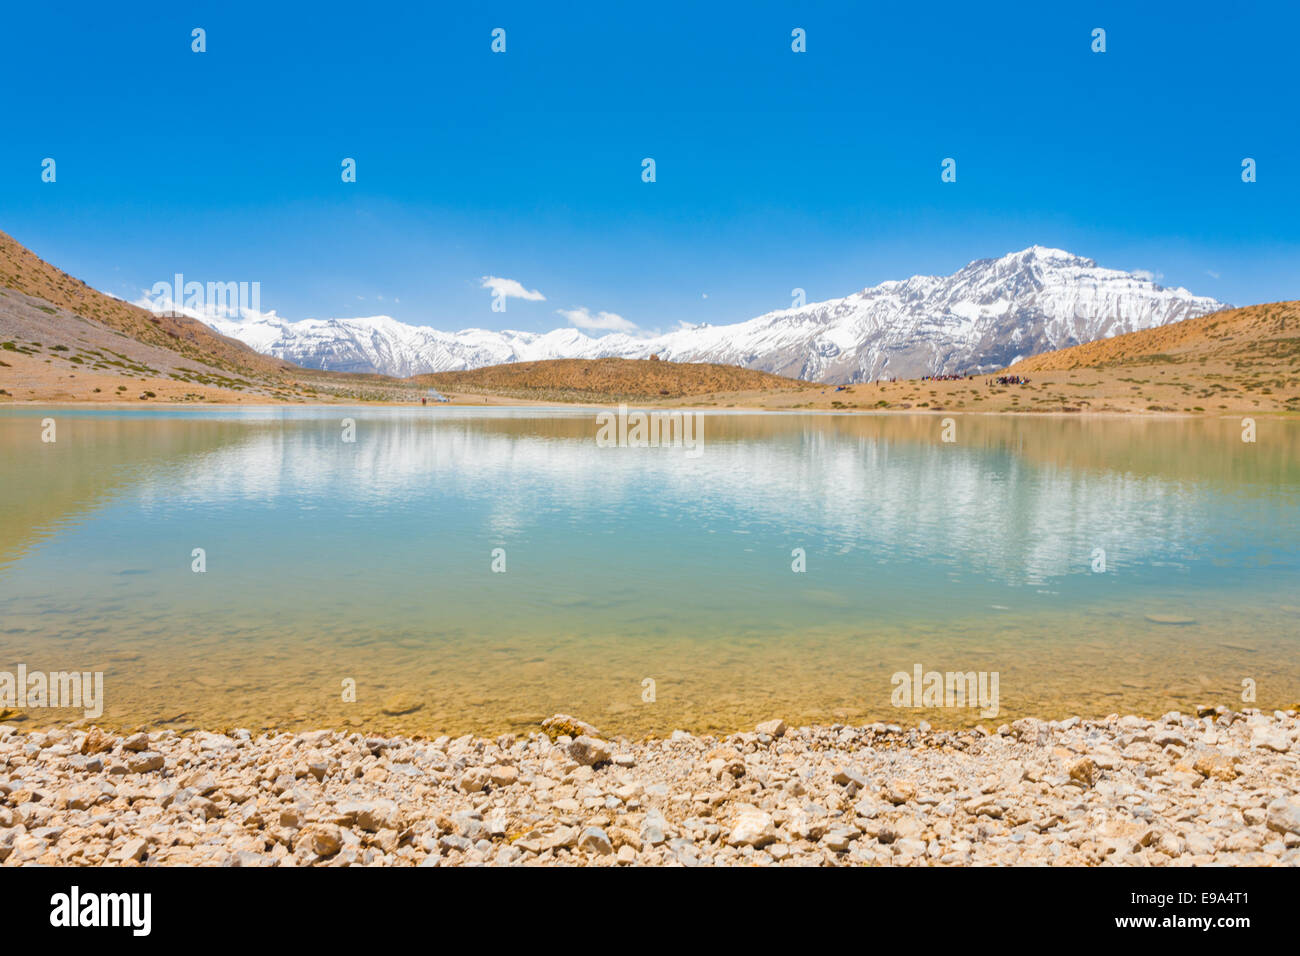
(1010, 380)
(946, 378)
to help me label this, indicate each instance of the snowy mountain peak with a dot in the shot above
(982, 317)
(1048, 253)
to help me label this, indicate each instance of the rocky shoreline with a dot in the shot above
(1218, 788)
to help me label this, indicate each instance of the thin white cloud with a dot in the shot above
(1211, 273)
(511, 289)
(601, 321)
(202, 308)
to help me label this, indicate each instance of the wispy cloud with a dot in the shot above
(601, 321)
(511, 289)
(204, 310)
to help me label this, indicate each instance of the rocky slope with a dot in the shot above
(24, 272)
(1263, 337)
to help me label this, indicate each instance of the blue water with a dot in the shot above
(373, 560)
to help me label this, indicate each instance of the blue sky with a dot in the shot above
(775, 170)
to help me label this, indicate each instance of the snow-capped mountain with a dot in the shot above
(983, 317)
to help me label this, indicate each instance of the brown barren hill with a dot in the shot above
(62, 341)
(609, 379)
(1268, 335)
(23, 271)
(1244, 359)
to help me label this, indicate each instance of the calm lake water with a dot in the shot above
(372, 561)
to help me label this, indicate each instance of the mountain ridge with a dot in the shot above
(985, 316)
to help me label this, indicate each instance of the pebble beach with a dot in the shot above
(1216, 787)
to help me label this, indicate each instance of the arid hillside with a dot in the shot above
(1259, 339)
(609, 379)
(62, 341)
(24, 271)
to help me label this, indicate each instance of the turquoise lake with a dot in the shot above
(643, 589)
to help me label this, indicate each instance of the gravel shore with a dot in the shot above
(1217, 788)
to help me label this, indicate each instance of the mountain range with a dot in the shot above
(986, 316)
